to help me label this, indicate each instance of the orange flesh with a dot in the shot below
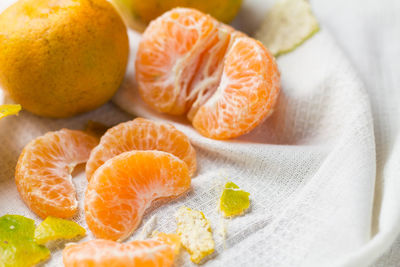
(122, 188)
(234, 109)
(181, 34)
(225, 82)
(43, 173)
(173, 240)
(105, 253)
(141, 134)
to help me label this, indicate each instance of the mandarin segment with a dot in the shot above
(105, 253)
(168, 55)
(141, 134)
(43, 172)
(124, 186)
(225, 82)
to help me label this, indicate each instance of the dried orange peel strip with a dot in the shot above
(123, 188)
(141, 134)
(43, 172)
(225, 82)
(172, 239)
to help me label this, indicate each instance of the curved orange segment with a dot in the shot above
(43, 173)
(120, 190)
(189, 64)
(141, 134)
(105, 253)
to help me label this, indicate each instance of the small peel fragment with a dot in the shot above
(10, 109)
(53, 228)
(96, 128)
(287, 25)
(233, 201)
(17, 247)
(195, 232)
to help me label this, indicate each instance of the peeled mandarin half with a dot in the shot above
(43, 172)
(190, 64)
(105, 253)
(122, 189)
(141, 134)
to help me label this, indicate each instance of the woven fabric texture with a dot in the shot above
(322, 171)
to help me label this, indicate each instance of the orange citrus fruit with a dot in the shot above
(139, 13)
(43, 173)
(104, 253)
(120, 190)
(62, 57)
(141, 134)
(189, 63)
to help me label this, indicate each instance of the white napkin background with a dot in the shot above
(323, 193)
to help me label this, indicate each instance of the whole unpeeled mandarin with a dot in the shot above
(59, 58)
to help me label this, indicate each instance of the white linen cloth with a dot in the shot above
(322, 170)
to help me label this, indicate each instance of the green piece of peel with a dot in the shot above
(287, 25)
(53, 228)
(233, 201)
(17, 247)
(12, 226)
(6, 110)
